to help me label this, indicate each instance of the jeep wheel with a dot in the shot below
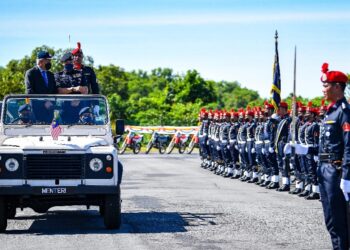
(11, 212)
(112, 211)
(3, 215)
(149, 147)
(137, 148)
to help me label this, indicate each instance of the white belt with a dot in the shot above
(250, 139)
(267, 141)
(224, 141)
(259, 142)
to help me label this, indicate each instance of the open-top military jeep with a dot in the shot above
(57, 150)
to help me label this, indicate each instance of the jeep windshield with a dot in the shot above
(68, 110)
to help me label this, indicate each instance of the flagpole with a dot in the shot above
(294, 96)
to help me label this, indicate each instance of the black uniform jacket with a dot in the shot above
(335, 134)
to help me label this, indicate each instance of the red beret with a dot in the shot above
(283, 105)
(268, 105)
(332, 76)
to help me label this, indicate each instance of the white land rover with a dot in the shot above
(57, 150)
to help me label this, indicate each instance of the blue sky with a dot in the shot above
(222, 39)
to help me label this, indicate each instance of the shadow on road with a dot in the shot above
(90, 222)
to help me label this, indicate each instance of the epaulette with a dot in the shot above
(345, 105)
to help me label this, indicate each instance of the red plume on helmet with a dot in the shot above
(324, 68)
(77, 50)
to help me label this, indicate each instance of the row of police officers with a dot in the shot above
(261, 146)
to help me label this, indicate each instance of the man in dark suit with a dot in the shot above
(39, 80)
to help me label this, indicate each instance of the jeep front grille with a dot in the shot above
(60, 166)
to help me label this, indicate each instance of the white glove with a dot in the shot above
(246, 150)
(97, 110)
(207, 142)
(300, 149)
(240, 150)
(263, 151)
(316, 158)
(345, 186)
(236, 147)
(291, 166)
(218, 148)
(271, 150)
(253, 150)
(228, 146)
(287, 149)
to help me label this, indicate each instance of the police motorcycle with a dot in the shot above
(194, 143)
(157, 141)
(179, 140)
(132, 141)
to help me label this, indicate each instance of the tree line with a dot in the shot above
(159, 97)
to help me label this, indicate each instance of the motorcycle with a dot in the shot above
(157, 141)
(194, 143)
(132, 141)
(179, 140)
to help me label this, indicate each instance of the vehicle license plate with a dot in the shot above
(54, 190)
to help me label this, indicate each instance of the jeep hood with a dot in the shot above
(34, 143)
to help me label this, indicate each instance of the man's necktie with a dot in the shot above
(45, 78)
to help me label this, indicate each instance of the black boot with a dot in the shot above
(296, 191)
(273, 185)
(304, 193)
(284, 188)
(313, 196)
(253, 180)
(259, 182)
(265, 184)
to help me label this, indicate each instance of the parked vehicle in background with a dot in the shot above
(158, 141)
(132, 141)
(179, 140)
(194, 143)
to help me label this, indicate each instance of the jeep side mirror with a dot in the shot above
(119, 127)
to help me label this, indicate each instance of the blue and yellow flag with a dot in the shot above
(276, 84)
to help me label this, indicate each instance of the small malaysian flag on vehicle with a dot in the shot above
(55, 128)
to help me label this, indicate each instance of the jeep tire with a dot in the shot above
(3, 214)
(112, 211)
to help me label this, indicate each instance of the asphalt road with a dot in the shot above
(169, 202)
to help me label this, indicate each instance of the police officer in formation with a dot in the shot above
(257, 146)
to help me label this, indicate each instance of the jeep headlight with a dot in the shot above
(11, 164)
(96, 164)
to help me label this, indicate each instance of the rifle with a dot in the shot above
(293, 124)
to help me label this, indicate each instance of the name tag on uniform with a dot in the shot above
(329, 122)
